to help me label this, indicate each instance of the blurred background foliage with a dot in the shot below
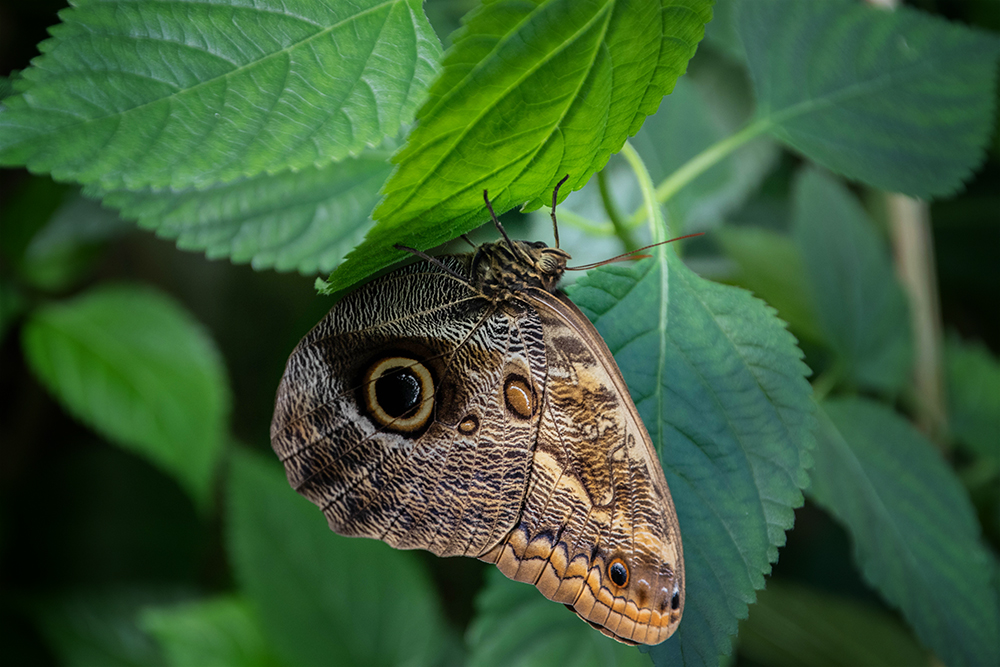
(120, 544)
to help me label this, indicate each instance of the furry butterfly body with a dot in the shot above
(465, 406)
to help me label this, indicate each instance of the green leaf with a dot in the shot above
(795, 625)
(915, 533)
(973, 376)
(180, 94)
(771, 266)
(900, 100)
(515, 625)
(325, 599)
(530, 92)
(223, 632)
(858, 301)
(720, 385)
(133, 365)
(100, 628)
(305, 221)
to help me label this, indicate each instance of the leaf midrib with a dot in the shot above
(778, 117)
(432, 170)
(230, 73)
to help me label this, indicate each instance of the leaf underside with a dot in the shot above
(180, 94)
(530, 92)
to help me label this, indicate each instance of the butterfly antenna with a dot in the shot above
(433, 260)
(555, 193)
(631, 254)
(496, 221)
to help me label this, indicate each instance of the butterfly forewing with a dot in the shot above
(453, 483)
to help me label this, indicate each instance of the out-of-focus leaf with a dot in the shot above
(857, 300)
(721, 34)
(219, 632)
(770, 265)
(136, 367)
(179, 94)
(326, 599)
(530, 91)
(304, 221)
(719, 384)
(794, 625)
(70, 243)
(915, 533)
(901, 100)
(100, 628)
(25, 212)
(973, 396)
(516, 625)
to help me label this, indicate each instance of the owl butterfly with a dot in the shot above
(463, 405)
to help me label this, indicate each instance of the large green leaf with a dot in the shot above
(530, 92)
(795, 625)
(901, 100)
(305, 221)
(720, 385)
(136, 367)
(916, 537)
(858, 302)
(325, 599)
(218, 632)
(973, 396)
(515, 625)
(176, 94)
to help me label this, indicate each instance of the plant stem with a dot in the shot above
(909, 222)
(622, 230)
(702, 162)
(650, 207)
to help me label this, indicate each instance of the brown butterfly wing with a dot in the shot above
(597, 498)
(449, 479)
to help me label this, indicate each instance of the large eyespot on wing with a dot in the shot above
(397, 393)
(598, 530)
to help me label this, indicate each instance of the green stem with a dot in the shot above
(702, 162)
(825, 383)
(657, 225)
(622, 230)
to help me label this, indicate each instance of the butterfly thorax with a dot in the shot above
(500, 270)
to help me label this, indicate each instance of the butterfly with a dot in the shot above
(463, 405)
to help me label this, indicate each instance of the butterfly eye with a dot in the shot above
(399, 393)
(618, 572)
